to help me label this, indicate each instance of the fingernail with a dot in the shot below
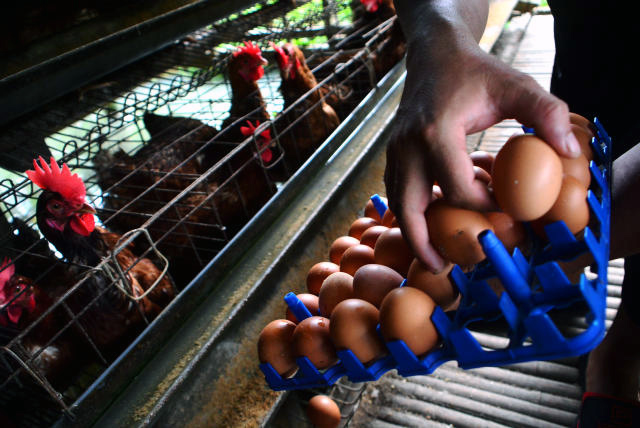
(571, 144)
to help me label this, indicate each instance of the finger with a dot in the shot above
(409, 193)
(482, 159)
(525, 100)
(455, 173)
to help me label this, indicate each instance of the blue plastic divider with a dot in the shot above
(533, 285)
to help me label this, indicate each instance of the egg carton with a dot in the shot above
(533, 286)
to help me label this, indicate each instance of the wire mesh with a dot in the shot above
(155, 149)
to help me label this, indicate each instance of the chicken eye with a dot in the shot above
(55, 207)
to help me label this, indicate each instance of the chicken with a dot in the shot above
(21, 303)
(49, 347)
(110, 317)
(245, 68)
(374, 10)
(174, 156)
(210, 213)
(336, 91)
(16, 295)
(390, 51)
(305, 122)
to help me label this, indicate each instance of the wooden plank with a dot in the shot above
(499, 13)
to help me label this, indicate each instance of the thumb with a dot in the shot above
(530, 104)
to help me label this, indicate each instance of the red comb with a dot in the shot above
(59, 180)
(281, 56)
(251, 128)
(266, 138)
(6, 272)
(370, 5)
(248, 48)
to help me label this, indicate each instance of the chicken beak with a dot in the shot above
(85, 209)
(262, 60)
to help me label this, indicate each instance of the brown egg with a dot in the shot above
(496, 285)
(370, 236)
(318, 273)
(578, 168)
(339, 246)
(311, 339)
(584, 136)
(373, 281)
(323, 412)
(454, 232)
(353, 326)
(511, 232)
(438, 286)
(360, 225)
(310, 301)
(526, 177)
(275, 346)
(355, 257)
(405, 314)
(389, 219)
(482, 159)
(391, 250)
(580, 120)
(336, 288)
(571, 206)
(371, 211)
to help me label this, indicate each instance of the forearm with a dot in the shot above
(426, 18)
(625, 209)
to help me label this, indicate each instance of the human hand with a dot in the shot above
(454, 89)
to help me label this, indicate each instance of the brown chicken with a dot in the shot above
(49, 349)
(53, 348)
(392, 49)
(110, 317)
(169, 162)
(306, 120)
(191, 232)
(245, 68)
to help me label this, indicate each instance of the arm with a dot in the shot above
(452, 89)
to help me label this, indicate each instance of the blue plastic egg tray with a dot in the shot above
(533, 286)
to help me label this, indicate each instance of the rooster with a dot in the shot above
(245, 68)
(311, 120)
(110, 318)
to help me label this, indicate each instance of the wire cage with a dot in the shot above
(171, 185)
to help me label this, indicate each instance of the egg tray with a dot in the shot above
(533, 286)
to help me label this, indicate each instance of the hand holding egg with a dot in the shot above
(356, 299)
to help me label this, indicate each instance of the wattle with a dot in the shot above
(83, 225)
